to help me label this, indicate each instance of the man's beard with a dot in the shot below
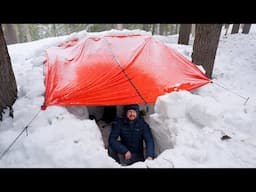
(132, 117)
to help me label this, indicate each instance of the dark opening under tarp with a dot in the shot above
(116, 70)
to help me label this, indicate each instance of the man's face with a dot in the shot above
(131, 114)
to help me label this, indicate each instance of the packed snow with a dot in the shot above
(212, 126)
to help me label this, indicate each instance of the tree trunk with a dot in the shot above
(205, 46)
(161, 29)
(119, 26)
(8, 87)
(193, 30)
(88, 27)
(157, 29)
(10, 34)
(15, 26)
(154, 29)
(145, 27)
(235, 28)
(176, 28)
(184, 34)
(226, 28)
(54, 32)
(27, 31)
(22, 33)
(125, 26)
(246, 28)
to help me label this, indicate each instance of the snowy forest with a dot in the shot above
(20, 33)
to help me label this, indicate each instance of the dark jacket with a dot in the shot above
(131, 135)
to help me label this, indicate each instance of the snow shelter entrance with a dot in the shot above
(104, 116)
(109, 113)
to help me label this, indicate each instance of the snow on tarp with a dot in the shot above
(116, 70)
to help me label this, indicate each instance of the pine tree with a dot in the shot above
(8, 87)
(205, 46)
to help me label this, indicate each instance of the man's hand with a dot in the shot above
(149, 158)
(128, 155)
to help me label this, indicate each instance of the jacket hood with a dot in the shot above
(134, 107)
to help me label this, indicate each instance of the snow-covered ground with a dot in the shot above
(187, 127)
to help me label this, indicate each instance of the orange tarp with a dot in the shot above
(116, 70)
